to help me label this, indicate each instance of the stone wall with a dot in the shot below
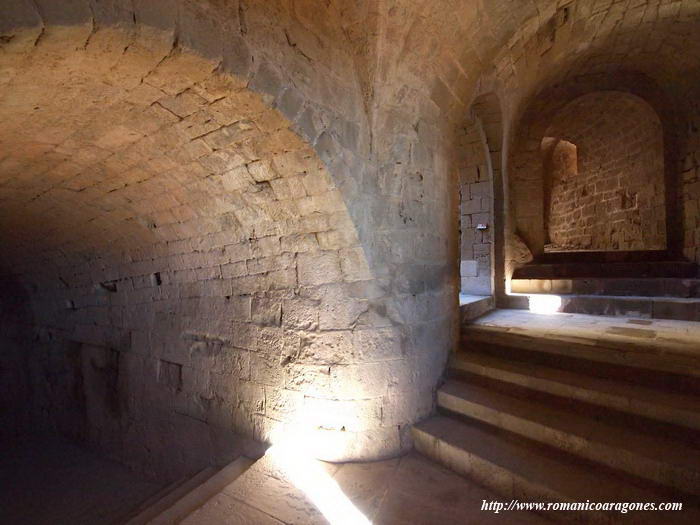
(476, 204)
(613, 197)
(195, 217)
(240, 214)
(643, 48)
(690, 172)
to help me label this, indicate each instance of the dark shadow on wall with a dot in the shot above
(16, 392)
(42, 379)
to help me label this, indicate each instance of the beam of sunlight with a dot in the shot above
(545, 304)
(308, 475)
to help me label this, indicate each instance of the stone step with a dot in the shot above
(168, 496)
(520, 469)
(675, 409)
(660, 460)
(632, 270)
(639, 287)
(200, 494)
(148, 508)
(474, 306)
(641, 307)
(660, 345)
(645, 256)
(650, 377)
(181, 498)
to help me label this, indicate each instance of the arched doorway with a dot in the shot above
(481, 202)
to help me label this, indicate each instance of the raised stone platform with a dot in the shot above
(658, 345)
(642, 287)
(671, 308)
(644, 307)
(650, 290)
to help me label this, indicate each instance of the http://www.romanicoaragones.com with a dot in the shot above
(621, 507)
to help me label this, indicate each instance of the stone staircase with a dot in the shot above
(654, 290)
(569, 408)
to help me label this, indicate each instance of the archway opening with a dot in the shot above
(476, 217)
(603, 168)
(480, 200)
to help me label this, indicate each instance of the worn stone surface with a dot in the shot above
(410, 489)
(198, 263)
(530, 395)
(215, 210)
(663, 345)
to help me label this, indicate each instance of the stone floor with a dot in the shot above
(408, 490)
(52, 482)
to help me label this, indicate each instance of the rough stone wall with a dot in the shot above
(615, 197)
(379, 91)
(216, 274)
(530, 162)
(526, 50)
(201, 265)
(690, 171)
(644, 48)
(476, 204)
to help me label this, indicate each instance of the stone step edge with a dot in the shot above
(645, 355)
(168, 496)
(203, 492)
(671, 308)
(592, 270)
(639, 401)
(639, 306)
(572, 286)
(511, 482)
(638, 455)
(570, 300)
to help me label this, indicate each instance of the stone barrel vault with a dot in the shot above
(182, 206)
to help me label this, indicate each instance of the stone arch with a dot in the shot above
(613, 197)
(481, 196)
(168, 255)
(526, 180)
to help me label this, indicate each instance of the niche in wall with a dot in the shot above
(603, 164)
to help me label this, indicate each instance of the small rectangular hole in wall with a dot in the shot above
(109, 286)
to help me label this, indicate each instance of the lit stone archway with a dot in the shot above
(481, 198)
(611, 195)
(528, 162)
